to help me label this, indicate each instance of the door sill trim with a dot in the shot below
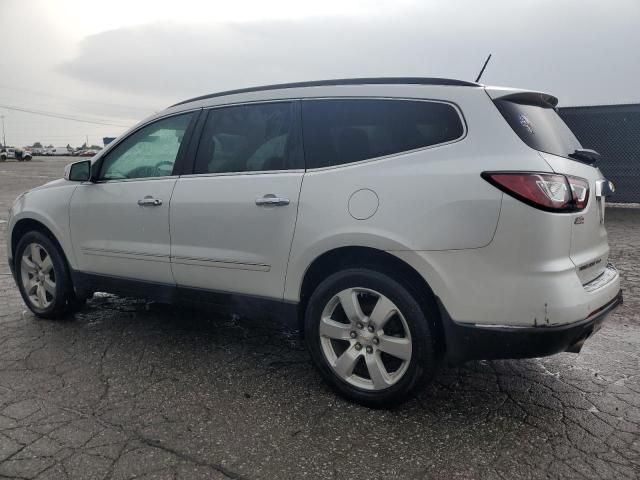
(283, 311)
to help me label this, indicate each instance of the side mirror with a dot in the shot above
(78, 171)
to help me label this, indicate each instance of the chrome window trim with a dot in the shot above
(455, 106)
(234, 174)
(123, 180)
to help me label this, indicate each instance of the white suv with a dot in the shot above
(400, 222)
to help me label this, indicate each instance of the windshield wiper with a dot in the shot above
(585, 155)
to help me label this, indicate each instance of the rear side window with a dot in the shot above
(342, 131)
(540, 127)
(248, 138)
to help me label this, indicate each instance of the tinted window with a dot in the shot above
(248, 138)
(149, 152)
(343, 131)
(539, 127)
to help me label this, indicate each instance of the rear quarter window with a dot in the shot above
(338, 131)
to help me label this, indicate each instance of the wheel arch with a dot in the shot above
(28, 224)
(341, 258)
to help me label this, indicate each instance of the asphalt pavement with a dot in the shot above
(132, 389)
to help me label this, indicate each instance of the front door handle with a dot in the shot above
(271, 199)
(149, 201)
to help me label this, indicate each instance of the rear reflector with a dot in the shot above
(546, 191)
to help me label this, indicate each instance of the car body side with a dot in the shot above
(476, 248)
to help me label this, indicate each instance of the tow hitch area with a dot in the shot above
(577, 345)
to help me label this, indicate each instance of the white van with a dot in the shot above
(58, 151)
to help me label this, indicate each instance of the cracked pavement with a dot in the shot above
(131, 389)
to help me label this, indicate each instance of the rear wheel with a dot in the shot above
(369, 337)
(43, 277)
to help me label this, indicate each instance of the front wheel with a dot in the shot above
(43, 276)
(369, 337)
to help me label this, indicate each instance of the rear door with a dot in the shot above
(536, 122)
(232, 221)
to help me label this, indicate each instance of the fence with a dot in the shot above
(614, 132)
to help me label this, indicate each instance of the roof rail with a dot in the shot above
(342, 81)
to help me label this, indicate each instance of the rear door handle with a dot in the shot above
(271, 199)
(149, 201)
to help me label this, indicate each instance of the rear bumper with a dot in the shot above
(473, 342)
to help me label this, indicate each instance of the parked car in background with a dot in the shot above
(402, 223)
(6, 153)
(58, 151)
(17, 153)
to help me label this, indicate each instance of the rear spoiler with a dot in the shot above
(522, 96)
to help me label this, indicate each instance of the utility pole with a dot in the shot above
(4, 140)
(87, 140)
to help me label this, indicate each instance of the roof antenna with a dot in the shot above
(483, 67)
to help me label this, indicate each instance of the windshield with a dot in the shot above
(539, 127)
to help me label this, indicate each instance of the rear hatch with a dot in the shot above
(533, 117)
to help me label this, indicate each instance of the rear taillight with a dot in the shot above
(579, 191)
(546, 191)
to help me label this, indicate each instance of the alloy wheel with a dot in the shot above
(38, 276)
(365, 338)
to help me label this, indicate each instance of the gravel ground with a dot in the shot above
(132, 389)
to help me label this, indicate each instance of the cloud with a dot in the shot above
(578, 51)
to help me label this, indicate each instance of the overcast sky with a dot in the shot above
(116, 62)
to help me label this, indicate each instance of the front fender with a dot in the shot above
(49, 207)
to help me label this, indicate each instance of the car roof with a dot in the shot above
(341, 81)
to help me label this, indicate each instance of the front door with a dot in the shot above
(120, 223)
(232, 222)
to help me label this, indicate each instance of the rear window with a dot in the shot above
(539, 127)
(343, 131)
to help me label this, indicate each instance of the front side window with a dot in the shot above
(343, 131)
(248, 138)
(149, 152)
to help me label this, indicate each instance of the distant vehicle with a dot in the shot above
(7, 153)
(58, 151)
(88, 153)
(17, 153)
(37, 151)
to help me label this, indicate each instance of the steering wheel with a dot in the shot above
(146, 171)
(166, 162)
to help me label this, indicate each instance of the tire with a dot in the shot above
(28, 158)
(43, 277)
(3, 158)
(345, 362)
